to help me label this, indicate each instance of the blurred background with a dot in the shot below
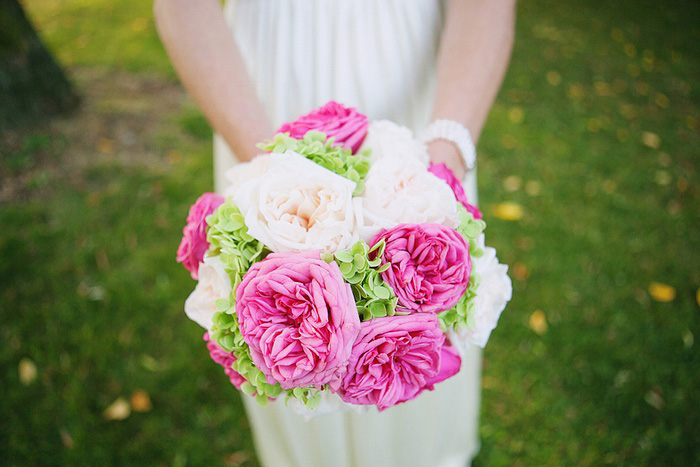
(588, 173)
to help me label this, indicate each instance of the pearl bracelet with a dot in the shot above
(455, 133)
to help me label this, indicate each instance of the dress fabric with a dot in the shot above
(378, 56)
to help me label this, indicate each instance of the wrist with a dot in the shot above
(451, 141)
(446, 152)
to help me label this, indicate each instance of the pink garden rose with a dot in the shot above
(429, 265)
(346, 125)
(393, 359)
(450, 364)
(444, 173)
(299, 318)
(224, 359)
(194, 236)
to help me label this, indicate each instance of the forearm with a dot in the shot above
(209, 64)
(474, 52)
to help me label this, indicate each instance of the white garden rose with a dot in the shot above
(296, 205)
(214, 283)
(402, 191)
(387, 139)
(241, 173)
(493, 293)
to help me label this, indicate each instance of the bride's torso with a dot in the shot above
(376, 55)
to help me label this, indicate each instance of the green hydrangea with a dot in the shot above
(373, 296)
(227, 334)
(228, 237)
(462, 314)
(470, 229)
(316, 147)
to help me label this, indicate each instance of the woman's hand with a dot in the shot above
(209, 64)
(443, 151)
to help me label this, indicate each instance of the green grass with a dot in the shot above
(92, 295)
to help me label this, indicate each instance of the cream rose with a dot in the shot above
(292, 204)
(387, 139)
(402, 191)
(214, 283)
(493, 293)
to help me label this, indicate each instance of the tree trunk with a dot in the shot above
(32, 85)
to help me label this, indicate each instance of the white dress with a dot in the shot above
(378, 56)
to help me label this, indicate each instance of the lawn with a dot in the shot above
(588, 180)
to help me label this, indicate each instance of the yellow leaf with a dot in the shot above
(533, 188)
(516, 114)
(119, 410)
(662, 178)
(105, 146)
(27, 371)
(538, 322)
(651, 140)
(140, 401)
(553, 78)
(520, 271)
(688, 339)
(662, 292)
(512, 183)
(508, 211)
(697, 297)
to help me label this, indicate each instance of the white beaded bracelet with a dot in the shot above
(455, 133)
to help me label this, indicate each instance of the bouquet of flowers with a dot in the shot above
(341, 268)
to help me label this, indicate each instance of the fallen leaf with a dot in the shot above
(633, 70)
(516, 115)
(538, 322)
(688, 339)
(27, 371)
(105, 146)
(617, 35)
(533, 188)
(674, 207)
(139, 24)
(173, 157)
(520, 271)
(651, 140)
(576, 91)
(488, 382)
(609, 186)
(140, 401)
(119, 410)
(662, 292)
(622, 377)
(553, 78)
(655, 399)
(691, 122)
(662, 100)
(524, 243)
(682, 184)
(642, 88)
(622, 134)
(594, 125)
(602, 88)
(512, 183)
(66, 439)
(508, 211)
(630, 49)
(697, 297)
(665, 159)
(662, 178)
(508, 141)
